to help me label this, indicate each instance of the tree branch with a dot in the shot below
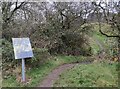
(107, 34)
(15, 9)
(117, 36)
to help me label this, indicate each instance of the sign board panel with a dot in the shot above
(22, 48)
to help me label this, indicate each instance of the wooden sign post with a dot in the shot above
(22, 50)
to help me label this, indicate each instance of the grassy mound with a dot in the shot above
(89, 75)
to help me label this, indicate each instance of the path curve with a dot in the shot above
(54, 75)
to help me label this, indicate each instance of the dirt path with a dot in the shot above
(54, 75)
(99, 44)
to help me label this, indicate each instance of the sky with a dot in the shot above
(57, 0)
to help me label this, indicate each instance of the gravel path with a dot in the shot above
(54, 75)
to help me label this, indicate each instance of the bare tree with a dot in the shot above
(111, 13)
(8, 10)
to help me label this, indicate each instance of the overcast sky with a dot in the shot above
(58, 0)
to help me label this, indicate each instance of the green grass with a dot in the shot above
(11, 82)
(38, 74)
(95, 47)
(100, 42)
(90, 75)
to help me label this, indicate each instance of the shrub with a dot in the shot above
(71, 44)
(40, 57)
(8, 60)
(10, 65)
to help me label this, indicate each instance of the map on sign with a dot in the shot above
(22, 48)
